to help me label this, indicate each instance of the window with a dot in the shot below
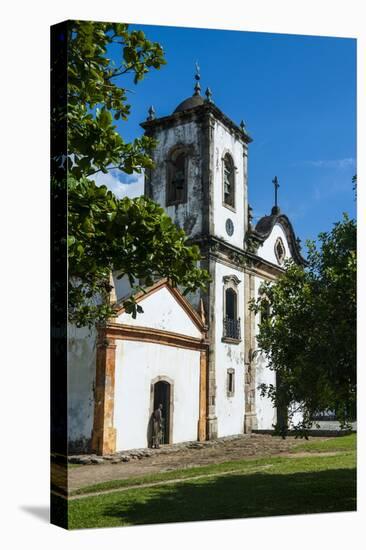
(230, 388)
(231, 327)
(230, 299)
(280, 251)
(177, 177)
(229, 181)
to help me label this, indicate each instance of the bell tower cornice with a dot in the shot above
(197, 113)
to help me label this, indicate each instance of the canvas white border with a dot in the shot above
(24, 274)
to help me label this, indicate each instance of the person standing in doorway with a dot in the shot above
(157, 426)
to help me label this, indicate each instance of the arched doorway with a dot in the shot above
(162, 392)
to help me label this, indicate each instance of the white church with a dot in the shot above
(195, 354)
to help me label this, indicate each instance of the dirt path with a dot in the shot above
(253, 446)
(169, 482)
(255, 469)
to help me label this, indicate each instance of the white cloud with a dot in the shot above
(337, 163)
(325, 190)
(121, 184)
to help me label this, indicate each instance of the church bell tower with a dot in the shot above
(200, 179)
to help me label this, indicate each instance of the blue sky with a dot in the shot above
(297, 95)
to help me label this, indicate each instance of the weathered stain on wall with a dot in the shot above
(189, 214)
(81, 380)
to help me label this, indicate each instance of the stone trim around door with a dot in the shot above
(104, 433)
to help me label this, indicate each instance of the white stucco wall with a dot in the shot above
(267, 252)
(266, 413)
(225, 142)
(162, 311)
(81, 379)
(229, 410)
(137, 364)
(297, 416)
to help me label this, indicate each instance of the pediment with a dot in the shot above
(164, 308)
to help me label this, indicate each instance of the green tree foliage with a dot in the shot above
(354, 181)
(95, 100)
(308, 334)
(133, 237)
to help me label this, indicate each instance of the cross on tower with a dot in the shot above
(276, 186)
(197, 76)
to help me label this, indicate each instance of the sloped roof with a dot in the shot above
(189, 103)
(264, 228)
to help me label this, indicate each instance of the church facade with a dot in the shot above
(195, 355)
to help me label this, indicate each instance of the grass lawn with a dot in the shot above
(340, 443)
(262, 487)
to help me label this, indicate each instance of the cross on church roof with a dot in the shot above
(276, 186)
(197, 76)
